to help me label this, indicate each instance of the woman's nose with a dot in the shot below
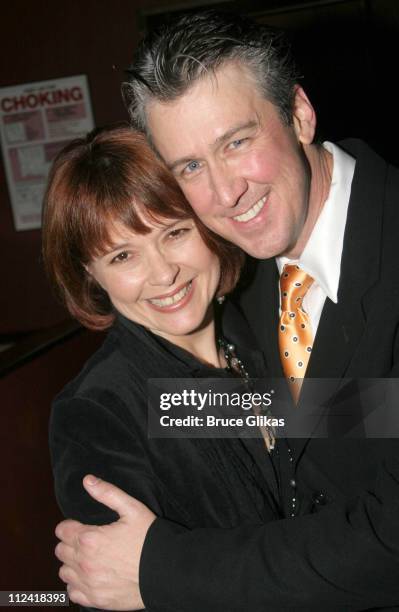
(163, 272)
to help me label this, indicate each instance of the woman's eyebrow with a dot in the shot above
(116, 247)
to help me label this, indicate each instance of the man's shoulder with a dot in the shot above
(364, 154)
(375, 180)
(355, 147)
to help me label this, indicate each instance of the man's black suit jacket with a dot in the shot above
(346, 555)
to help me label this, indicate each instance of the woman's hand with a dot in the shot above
(101, 563)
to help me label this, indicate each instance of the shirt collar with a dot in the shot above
(321, 257)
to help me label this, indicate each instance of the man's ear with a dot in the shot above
(304, 117)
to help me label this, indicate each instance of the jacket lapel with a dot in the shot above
(343, 324)
(260, 304)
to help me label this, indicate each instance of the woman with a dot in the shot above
(123, 247)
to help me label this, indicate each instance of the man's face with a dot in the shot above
(243, 171)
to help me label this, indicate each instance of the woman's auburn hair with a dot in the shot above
(111, 175)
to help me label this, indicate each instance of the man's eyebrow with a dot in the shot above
(219, 140)
(180, 162)
(233, 131)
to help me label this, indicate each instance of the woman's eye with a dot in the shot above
(178, 233)
(121, 257)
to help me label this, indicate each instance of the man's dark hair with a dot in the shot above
(171, 58)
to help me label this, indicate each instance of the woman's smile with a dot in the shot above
(165, 279)
(172, 301)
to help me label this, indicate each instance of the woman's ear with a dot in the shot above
(87, 268)
(92, 275)
(304, 117)
(89, 271)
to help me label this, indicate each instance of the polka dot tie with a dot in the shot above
(295, 330)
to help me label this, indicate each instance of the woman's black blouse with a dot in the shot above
(99, 426)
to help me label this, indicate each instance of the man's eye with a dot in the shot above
(121, 257)
(191, 167)
(237, 143)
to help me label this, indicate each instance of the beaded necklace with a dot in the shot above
(236, 366)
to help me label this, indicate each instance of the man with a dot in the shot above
(219, 99)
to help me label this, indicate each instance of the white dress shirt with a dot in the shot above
(321, 257)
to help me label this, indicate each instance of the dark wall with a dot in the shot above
(43, 40)
(348, 52)
(29, 512)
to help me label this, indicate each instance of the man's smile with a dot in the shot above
(252, 212)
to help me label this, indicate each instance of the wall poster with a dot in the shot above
(36, 121)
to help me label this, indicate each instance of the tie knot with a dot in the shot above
(294, 284)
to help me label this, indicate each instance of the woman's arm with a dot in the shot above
(88, 437)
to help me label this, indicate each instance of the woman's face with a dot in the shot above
(164, 280)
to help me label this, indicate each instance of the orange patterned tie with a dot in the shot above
(295, 330)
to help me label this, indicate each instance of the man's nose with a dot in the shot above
(163, 272)
(228, 185)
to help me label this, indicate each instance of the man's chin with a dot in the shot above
(258, 249)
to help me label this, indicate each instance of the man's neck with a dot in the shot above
(321, 168)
